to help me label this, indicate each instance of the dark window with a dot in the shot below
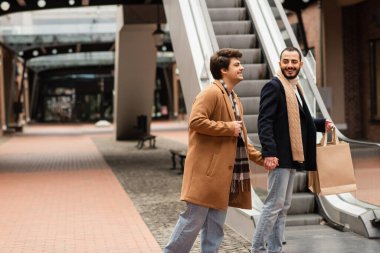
(375, 79)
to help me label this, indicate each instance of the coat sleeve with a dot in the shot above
(202, 110)
(320, 125)
(269, 99)
(255, 155)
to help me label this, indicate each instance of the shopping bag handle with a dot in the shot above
(334, 137)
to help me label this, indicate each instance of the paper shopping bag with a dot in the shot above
(335, 171)
(313, 182)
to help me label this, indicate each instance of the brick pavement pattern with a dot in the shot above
(59, 196)
(155, 189)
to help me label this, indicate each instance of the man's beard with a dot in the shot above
(297, 71)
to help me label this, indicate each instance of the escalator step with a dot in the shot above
(250, 88)
(250, 105)
(224, 14)
(232, 27)
(254, 137)
(255, 71)
(251, 123)
(302, 203)
(300, 182)
(224, 3)
(251, 55)
(237, 41)
(303, 219)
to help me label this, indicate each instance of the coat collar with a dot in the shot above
(226, 99)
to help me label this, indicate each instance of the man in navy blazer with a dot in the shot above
(287, 134)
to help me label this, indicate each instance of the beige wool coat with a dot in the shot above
(212, 151)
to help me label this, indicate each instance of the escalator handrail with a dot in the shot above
(208, 23)
(200, 24)
(210, 37)
(267, 41)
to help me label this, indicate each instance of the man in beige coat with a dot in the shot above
(216, 173)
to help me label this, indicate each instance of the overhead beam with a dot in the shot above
(24, 5)
(71, 60)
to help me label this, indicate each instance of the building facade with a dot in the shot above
(345, 38)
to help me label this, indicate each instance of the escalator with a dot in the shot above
(260, 30)
(233, 28)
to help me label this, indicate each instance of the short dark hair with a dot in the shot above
(221, 60)
(291, 49)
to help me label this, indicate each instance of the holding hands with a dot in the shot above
(329, 125)
(270, 163)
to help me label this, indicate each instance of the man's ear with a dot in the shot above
(223, 70)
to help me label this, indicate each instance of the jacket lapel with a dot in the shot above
(300, 106)
(303, 102)
(226, 100)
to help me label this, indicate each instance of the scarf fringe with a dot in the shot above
(238, 186)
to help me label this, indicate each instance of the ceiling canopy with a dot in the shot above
(12, 6)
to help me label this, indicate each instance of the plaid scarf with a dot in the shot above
(240, 178)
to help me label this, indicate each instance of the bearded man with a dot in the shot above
(287, 134)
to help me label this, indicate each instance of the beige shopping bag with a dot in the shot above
(335, 171)
(313, 182)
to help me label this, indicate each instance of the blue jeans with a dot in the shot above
(271, 226)
(190, 222)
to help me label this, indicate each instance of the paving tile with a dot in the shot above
(58, 195)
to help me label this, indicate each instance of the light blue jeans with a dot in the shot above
(270, 228)
(190, 222)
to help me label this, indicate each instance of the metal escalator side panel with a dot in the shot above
(191, 48)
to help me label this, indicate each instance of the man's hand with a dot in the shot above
(270, 163)
(238, 125)
(329, 125)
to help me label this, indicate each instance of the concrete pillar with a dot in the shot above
(175, 86)
(135, 72)
(8, 87)
(2, 97)
(26, 98)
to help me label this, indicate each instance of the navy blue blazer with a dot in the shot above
(273, 128)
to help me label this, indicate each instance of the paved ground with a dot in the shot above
(59, 196)
(155, 189)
